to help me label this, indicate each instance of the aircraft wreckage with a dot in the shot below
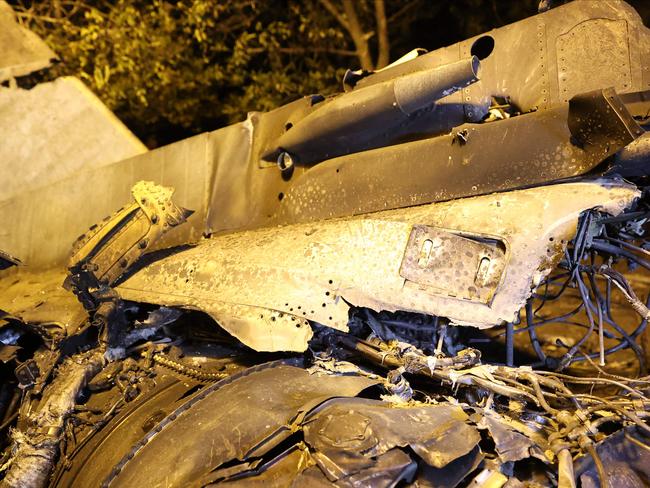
(438, 277)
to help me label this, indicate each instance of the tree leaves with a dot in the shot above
(186, 66)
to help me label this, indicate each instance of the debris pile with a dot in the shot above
(439, 277)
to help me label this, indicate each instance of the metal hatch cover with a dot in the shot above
(428, 261)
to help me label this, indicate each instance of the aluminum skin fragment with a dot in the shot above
(256, 284)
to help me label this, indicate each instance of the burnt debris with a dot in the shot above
(438, 277)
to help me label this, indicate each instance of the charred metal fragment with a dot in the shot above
(437, 169)
(6, 260)
(601, 124)
(354, 121)
(277, 395)
(42, 305)
(105, 253)
(319, 271)
(360, 252)
(347, 434)
(34, 451)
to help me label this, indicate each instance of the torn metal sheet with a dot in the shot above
(40, 302)
(348, 434)
(348, 441)
(104, 253)
(284, 470)
(21, 51)
(223, 177)
(319, 271)
(511, 445)
(452, 474)
(260, 406)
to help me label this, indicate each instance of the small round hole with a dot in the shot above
(280, 196)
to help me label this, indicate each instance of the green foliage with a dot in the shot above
(170, 68)
(193, 64)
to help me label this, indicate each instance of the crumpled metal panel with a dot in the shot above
(222, 176)
(21, 51)
(278, 424)
(39, 300)
(258, 407)
(314, 270)
(348, 433)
